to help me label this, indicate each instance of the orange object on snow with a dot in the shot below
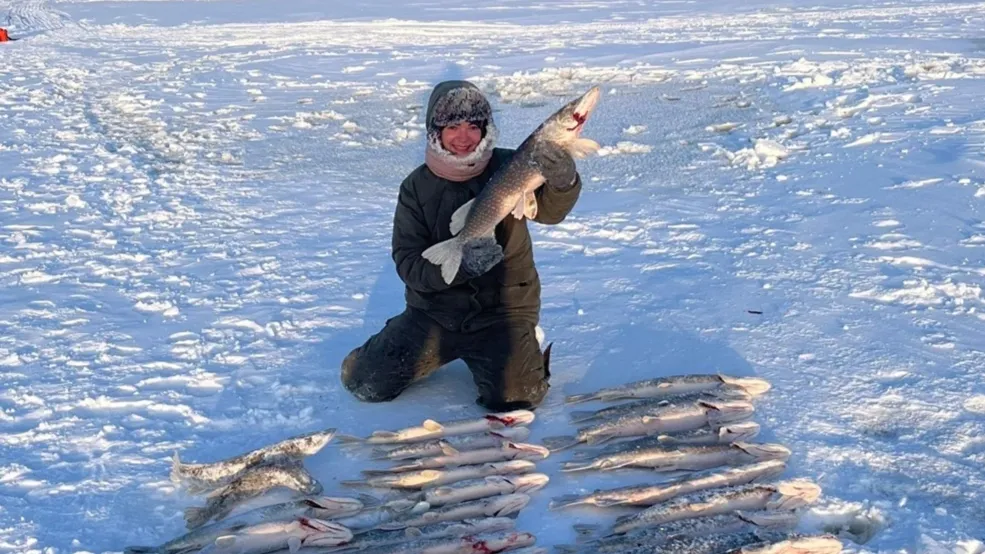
(4, 37)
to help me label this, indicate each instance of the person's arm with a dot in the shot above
(411, 237)
(557, 197)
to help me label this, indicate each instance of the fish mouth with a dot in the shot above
(585, 107)
(512, 419)
(530, 483)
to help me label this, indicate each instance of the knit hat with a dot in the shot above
(451, 103)
(455, 102)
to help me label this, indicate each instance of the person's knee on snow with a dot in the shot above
(361, 383)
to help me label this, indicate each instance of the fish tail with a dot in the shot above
(196, 517)
(587, 531)
(175, 467)
(369, 501)
(555, 444)
(583, 455)
(447, 255)
(142, 550)
(578, 398)
(624, 523)
(578, 466)
(355, 483)
(580, 416)
(380, 454)
(565, 501)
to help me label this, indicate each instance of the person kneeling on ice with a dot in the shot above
(488, 315)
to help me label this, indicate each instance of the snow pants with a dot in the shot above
(505, 360)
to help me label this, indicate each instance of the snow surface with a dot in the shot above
(196, 199)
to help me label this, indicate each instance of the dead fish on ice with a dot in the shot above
(494, 506)
(432, 429)
(651, 405)
(251, 484)
(684, 458)
(459, 443)
(206, 476)
(453, 458)
(380, 538)
(271, 536)
(674, 385)
(429, 478)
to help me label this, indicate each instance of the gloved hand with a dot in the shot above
(479, 256)
(557, 166)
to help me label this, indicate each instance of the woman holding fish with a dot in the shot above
(462, 248)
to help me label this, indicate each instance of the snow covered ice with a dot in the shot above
(196, 200)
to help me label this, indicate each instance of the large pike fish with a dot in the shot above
(649, 495)
(674, 385)
(315, 507)
(207, 476)
(251, 484)
(512, 187)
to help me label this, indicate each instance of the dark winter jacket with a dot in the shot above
(511, 289)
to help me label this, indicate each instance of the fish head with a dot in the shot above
(333, 504)
(499, 543)
(527, 450)
(764, 451)
(795, 494)
(728, 411)
(754, 386)
(529, 483)
(319, 532)
(773, 520)
(565, 125)
(312, 443)
(516, 418)
(507, 504)
(737, 432)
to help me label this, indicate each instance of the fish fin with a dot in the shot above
(582, 455)
(413, 532)
(565, 501)
(586, 531)
(530, 209)
(448, 256)
(175, 467)
(579, 398)
(521, 207)
(599, 439)
(578, 416)
(141, 550)
(432, 425)
(559, 443)
(447, 449)
(225, 541)
(293, 544)
(355, 483)
(625, 519)
(379, 454)
(442, 491)
(369, 501)
(581, 147)
(349, 439)
(378, 472)
(196, 517)
(459, 216)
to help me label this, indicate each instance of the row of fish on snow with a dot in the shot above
(458, 486)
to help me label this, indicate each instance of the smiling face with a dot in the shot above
(461, 139)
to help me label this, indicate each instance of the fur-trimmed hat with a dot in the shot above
(454, 102)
